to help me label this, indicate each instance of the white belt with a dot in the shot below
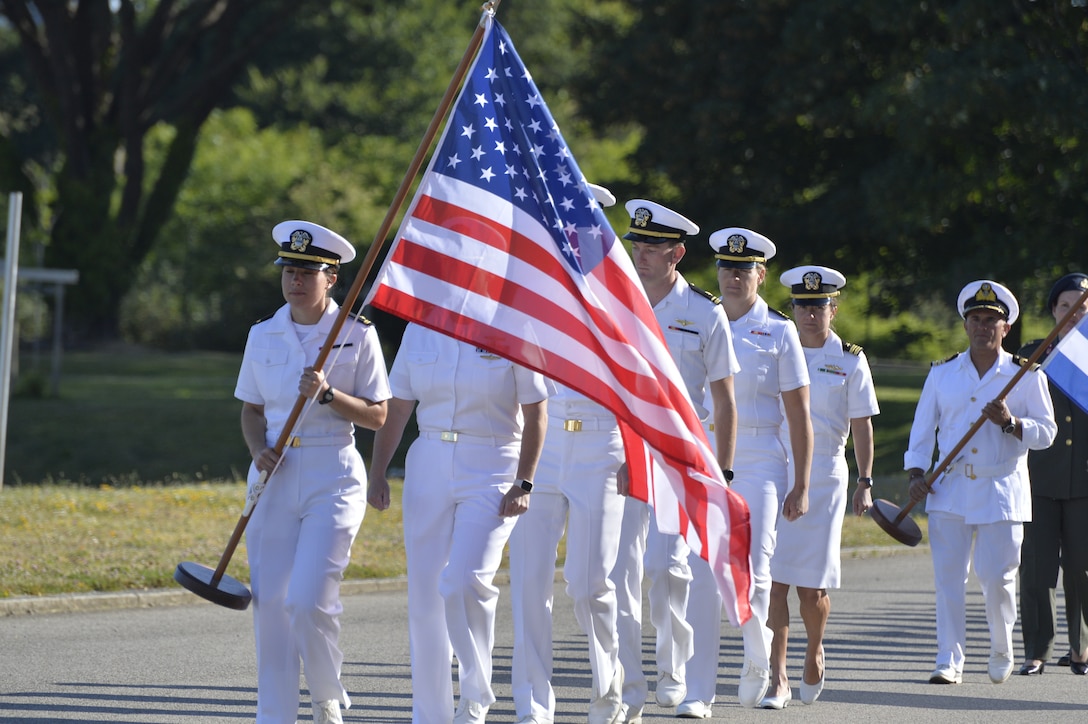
(583, 424)
(757, 431)
(314, 441)
(452, 436)
(973, 472)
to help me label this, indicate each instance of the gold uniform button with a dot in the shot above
(1068, 443)
(974, 450)
(1068, 418)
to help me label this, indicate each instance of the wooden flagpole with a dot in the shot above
(488, 9)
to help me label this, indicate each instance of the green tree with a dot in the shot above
(925, 143)
(91, 79)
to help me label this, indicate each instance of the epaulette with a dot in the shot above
(706, 294)
(264, 319)
(942, 361)
(360, 318)
(1023, 362)
(854, 349)
(780, 314)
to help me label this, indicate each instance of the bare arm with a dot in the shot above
(516, 500)
(795, 403)
(386, 441)
(725, 420)
(861, 430)
(358, 410)
(254, 429)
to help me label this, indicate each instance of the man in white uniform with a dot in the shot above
(983, 496)
(575, 487)
(697, 333)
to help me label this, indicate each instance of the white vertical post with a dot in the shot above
(7, 329)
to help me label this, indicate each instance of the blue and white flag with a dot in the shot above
(1067, 366)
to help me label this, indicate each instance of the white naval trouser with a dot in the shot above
(453, 540)
(996, 558)
(575, 486)
(298, 542)
(664, 558)
(759, 469)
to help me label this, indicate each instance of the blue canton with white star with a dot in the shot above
(502, 138)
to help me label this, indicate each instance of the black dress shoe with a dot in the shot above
(1080, 668)
(1030, 669)
(1064, 661)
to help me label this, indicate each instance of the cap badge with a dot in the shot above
(300, 239)
(813, 281)
(642, 217)
(737, 243)
(1083, 283)
(986, 293)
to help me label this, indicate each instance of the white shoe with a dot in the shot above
(608, 708)
(632, 716)
(776, 702)
(693, 709)
(1000, 667)
(671, 689)
(753, 685)
(811, 692)
(327, 712)
(533, 720)
(470, 712)
(947, 674)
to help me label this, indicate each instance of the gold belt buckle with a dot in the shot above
(712, 427)
(572, 425)
(969, 471)
(296, 441)
(449, 436)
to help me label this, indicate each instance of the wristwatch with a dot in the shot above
(327, 397)
(727, 474)
(526, 485)
(1011, 427)
(868, 482)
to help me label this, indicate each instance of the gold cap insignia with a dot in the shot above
(986, 293)
(813, 281)
(300, 239)
(737, 243)
(642, 217)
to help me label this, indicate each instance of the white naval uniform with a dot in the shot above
(772, 361)
(697, 333)
(985, 493)
(311, 508)
(807, 550)
(456, 474)
(575, 486)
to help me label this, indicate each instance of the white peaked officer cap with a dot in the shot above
(310, 246)
(813, 285)
(741, 248)
(986, 294)
(652, 223)
(604, 197)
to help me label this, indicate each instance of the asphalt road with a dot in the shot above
(171, 657)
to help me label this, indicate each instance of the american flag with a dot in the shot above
(505, 247)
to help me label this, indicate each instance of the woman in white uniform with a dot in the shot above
(314, 503)
(842, 403)
(773, 378)
(467, 476)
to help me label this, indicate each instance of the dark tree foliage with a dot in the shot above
(88, 79)
(927, 142)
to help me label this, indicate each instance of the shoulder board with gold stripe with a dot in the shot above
(942, 361)
(705, 294)
(854, 349)
(779, 313)
(1028, 349)
(360, 318)
(264, 319)
(1023, 362)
